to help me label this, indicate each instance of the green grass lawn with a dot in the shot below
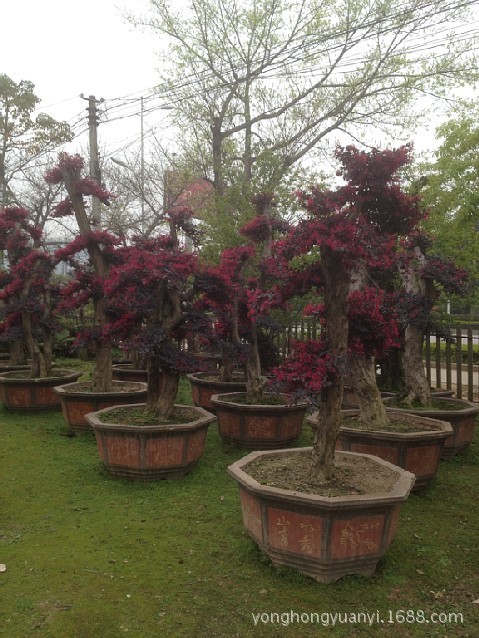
(91, 556)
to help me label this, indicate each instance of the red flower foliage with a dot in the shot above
(308, 368)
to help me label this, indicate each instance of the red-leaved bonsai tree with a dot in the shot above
(349, 234)
(230, 291)
(91, 275)
(151, 310)
(28, 294)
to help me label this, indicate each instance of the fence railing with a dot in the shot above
(454, 366)
(449, 365)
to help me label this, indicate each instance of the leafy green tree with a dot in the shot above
(266, 82)
(451, 191)
(23, 135)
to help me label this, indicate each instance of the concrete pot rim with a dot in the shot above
(66, 389)
(441, 429)
(464, 408)
(399, 492)
(221, 400)
(197, 377)
(204, 420)
(9, 378)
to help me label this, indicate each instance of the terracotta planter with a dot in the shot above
(257, 427)
(323, 537)
(462, 420)
(153, 451)
(205, 384)
(126, 372)
(418, 452)
(75, 405)
(22, 394)
(5, 366)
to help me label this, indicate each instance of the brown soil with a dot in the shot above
(437, 403)
(86, 386)
(396, 424)
(139, 416)
(352, 475)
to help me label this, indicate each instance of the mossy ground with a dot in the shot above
(92, 556)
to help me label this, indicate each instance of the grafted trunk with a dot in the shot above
(416, 382)
(102, 377)
(326, 433)
(154, 381)
(18, 356)
(226, 369)
(254, 380)
(37, 361)
(337, 280)
(362, 376)
(169, 390)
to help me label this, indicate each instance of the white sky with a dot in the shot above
(87, 47)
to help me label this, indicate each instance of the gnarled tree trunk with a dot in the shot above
(336, 288)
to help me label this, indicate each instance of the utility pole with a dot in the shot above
(95, 173)
(142, 165)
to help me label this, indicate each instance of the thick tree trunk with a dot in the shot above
(326, 433)
(102, 375)
(392, 371)
(155, 377)
(18, 356)
(362, 377)
(416, 382)
(336, 288)
(254, 380)
(37, 361)
(169, 390)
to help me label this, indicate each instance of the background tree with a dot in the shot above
(266, 83)
(28, 292)
(23, 135)
(451, 190)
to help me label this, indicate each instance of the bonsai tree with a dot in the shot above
(100, 248)
(150, 307)
(27, 292)
(423, 276)
(230, 290)
(349, 234)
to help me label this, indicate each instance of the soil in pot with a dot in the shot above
(78, 399)
(461, 415)
(352, 476)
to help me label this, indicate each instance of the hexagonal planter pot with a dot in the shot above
(462, 420)
(258, 426)
(417, 451)
(151, 451)
(206, 384)
(21, 393)
(320, 536)
(77, 401)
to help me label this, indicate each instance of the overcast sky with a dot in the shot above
(67, 49)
